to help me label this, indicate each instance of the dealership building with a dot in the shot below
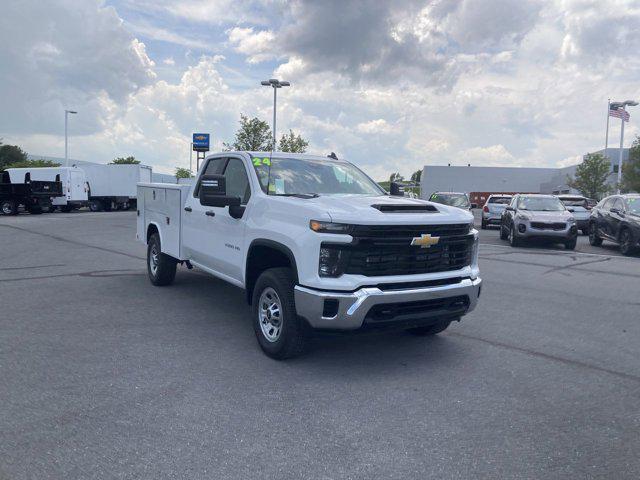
(479, 182)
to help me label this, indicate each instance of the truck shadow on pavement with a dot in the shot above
(227, 311)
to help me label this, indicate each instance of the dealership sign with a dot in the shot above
(201, 142)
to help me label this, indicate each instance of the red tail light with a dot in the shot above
(485, 209)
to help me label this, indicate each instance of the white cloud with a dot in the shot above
(169, 61)
(256, 46)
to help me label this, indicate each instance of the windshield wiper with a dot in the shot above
(297, 195)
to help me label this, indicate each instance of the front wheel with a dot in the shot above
(571, 244)
(503, 234)
(513, 236)
(594, 239)
(431, 329)
(160, 266)
(279, 330)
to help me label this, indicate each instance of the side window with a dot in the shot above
(619, 205)
(237, 180)
(214, 167)
(608, 203)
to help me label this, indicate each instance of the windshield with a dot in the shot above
(500, 200)
(295, 176)
(633, 205)
(574, 202)
(452, 199)
(540, 204)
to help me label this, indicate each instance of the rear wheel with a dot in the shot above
(9, 207)
(483, 225)
(626, 242)
(95, 205)
(594, 239)
(65, 208)
(35, 209)
(431, 329)
(279, 330)
(160, 266)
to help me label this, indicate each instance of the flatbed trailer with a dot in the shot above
(34, 195)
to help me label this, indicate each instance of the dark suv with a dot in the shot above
(616, 218)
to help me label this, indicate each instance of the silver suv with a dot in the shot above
(538, 216)
(493, 209)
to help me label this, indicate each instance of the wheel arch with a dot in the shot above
(151, 229)
(262, 255)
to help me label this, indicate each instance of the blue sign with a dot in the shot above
(200, 142)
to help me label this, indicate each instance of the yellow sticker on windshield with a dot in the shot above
(266, 161)
(257, 162)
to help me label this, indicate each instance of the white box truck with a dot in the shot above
(74, 184)
(114, 187)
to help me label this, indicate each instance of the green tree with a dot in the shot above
(631, 169)
(396, 177)
(293, 143)
(183, 173)
(591, 176)
(34, 164)
(416, 176)
(11, 154)
(130, 160)
(253, 135)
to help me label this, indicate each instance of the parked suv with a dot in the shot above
(453, 199)
(616, 218)
(493, 209)
(538, 216)
(579, 206)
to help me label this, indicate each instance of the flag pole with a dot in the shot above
(606, 138)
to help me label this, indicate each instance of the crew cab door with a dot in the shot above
(602, 217)
(213, 237)
(615, 217)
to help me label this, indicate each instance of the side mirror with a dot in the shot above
(474, 205)
(510, 208)
(571, 210)
(617, 211)
(396, 190)
(213, 192)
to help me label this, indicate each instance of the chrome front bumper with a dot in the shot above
(353, 306)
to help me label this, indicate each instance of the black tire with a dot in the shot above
(594, 239)
(280, 332)
(95, 206)
(66, 208)
(571, 244)
(585, 231)
(9, 207)
(626, 242)
(503, 235)
(431, 329)
(483, 225)
(107, 206)
(35, 209)
(161, 267)
(47, 208)
(514, 241)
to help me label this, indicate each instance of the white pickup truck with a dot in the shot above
(316, 244)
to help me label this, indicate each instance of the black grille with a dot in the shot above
(381, 250)
(548, 226)
(415, 310)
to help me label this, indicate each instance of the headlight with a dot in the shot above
(332, 261)
(571, 220)
(329, 227)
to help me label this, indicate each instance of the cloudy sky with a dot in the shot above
(389, 85)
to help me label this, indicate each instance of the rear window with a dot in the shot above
(500, 200)
(574, 202)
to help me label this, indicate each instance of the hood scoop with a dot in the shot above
(406, 208)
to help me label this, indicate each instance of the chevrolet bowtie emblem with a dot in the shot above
(425, 240)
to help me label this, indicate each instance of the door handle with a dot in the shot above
(188, 209)
(210, 213)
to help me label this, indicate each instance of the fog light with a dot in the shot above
(330, 308)
(522, 228)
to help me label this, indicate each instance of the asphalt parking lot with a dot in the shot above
(104, 376)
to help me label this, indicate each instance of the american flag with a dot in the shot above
(619, 113)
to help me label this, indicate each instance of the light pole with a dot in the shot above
(66, 138)
(276, 84)
(617, 106)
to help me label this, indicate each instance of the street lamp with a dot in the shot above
(275, 84)
(66, 140)
(623, 106)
